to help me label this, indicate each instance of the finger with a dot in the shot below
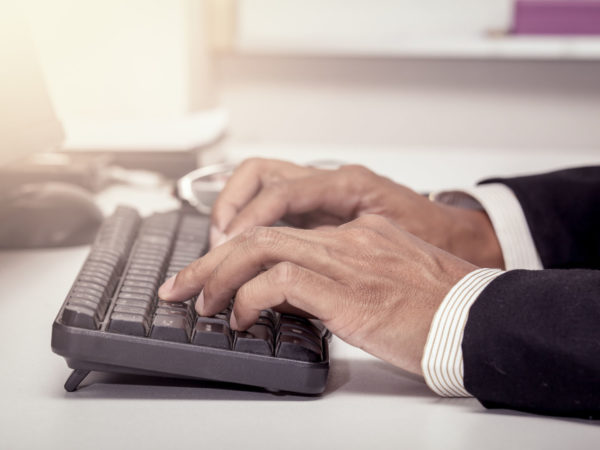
(265, 248)
(190, 281)
(243, 185)
(320, 192)
(382, 225)
(283, 286)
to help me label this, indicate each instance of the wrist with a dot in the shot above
(406, 329)
(472, 237)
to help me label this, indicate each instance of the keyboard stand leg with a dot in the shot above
(75, 379)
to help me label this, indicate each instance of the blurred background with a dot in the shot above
(432, 93)
(393, 73)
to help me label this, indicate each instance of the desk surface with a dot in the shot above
(368, 404)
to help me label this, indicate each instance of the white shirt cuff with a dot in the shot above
(507, 217)
(442, 362)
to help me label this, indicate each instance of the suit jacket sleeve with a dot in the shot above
(532, 339)
(532, 342)
(563, 214)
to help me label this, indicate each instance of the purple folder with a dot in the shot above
(574, 17)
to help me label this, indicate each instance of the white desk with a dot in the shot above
(368, 404)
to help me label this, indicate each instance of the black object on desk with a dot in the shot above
(47, 215)
(112, 320)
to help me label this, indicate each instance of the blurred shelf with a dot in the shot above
(502, 47)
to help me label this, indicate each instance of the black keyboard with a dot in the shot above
(112, 320)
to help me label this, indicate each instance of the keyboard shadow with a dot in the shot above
(346, 376)
(100, 385)
(375, 378)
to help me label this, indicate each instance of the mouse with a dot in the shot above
(49, 214)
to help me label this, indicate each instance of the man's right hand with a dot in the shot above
(261, 191)
(371, 283)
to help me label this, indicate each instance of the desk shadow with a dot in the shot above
(99, 385)
(374, 377)
(370, 377)
(524, 414)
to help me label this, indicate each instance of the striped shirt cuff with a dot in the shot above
(507, 217)
(442, 361)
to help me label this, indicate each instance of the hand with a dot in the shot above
(371, 283)
(260, 192)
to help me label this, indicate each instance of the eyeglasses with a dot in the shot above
(200, 188)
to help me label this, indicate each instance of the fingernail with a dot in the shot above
(166, 288)
(215, 235)
(233, 321)
(200, 302)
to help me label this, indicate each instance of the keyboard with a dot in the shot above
(112, 320)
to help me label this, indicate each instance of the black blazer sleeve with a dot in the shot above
(532, 342)
(532, 339)
(563, 213)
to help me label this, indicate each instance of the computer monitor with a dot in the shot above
(28, 122)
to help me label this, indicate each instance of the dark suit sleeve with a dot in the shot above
(532, 343)
(532, 338)
(563, 213)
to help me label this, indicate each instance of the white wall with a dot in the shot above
(138, 59)
(358, 24)
(413, 103)
(277, 91)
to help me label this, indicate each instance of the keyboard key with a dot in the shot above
(80, 316)
(104, 257)
(134, 302)
(302, 333)
(89, 295)
(298, 322)
(101, 278)
(143, 310)
(138, 290)
(151, 273)
(136, 296)
(257, 339)
(268, 318)
(170, 327)
(134, 282)
(292, 347)
(150, 281)
(182, 308)
(82, 286)
(96, 267)
(87, 302)
(128, 323)
(211, 334)
(220, 318)
(149, 253)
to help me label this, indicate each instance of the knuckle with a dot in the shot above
(261, 237)
(278, 187)
(244, 296)
(372, 221)
(252, 162)
(356, 170)
(375, 222)
(355, 177)
(284, 274)
(209, 286)
(361, 235)
(189, 273)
